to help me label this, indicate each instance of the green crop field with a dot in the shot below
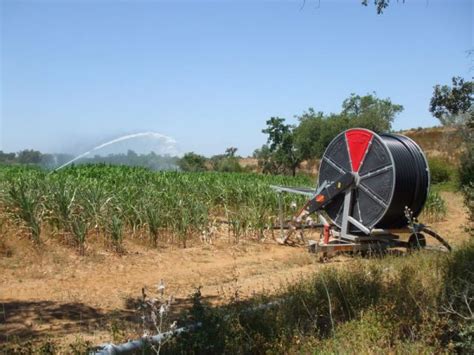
(115, 201)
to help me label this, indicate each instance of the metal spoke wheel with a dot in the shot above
(391, 173)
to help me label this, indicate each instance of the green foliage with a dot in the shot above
(440, 170)
(79, 228)
(29, 157)
(309, 132)
(192, 162)
(280, 154)
(451, 105)
(265, 161)
(435, 207)
(370, 112)
(468, 192)
(458, 298)
(7, 158)
(151, 160)
(466, 166)
(25, 201)
(466, 177)
(115, 230)
(316, 130)
(226, 163)
(419, 303)
(153, 219)
(51, 161)
(380, 5)
(113, 201)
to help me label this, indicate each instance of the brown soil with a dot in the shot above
(54, 292)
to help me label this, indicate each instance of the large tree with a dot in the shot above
(452, 105)
(316, 130)
(370, 112)
(280, 154)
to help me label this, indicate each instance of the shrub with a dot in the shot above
(192, 162)
(228, 165)
(440, 170)
(466, 179)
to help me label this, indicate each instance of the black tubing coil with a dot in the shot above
(412, 180)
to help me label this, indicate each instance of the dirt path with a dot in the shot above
(452, 228)
(60, 294)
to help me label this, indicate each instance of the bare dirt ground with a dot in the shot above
(55, 293)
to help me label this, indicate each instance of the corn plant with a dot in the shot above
(115, 229)
(113, 199)
(153, 219)
(60, 204)
(79, 228)
(26, 204)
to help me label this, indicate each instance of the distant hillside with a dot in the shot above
(437, 142)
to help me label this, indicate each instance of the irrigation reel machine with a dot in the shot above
(370, 190)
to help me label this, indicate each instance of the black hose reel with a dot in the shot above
(391, 173)
(371, 188)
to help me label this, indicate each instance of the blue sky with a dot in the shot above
(210, 73)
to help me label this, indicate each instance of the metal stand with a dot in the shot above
(340, 239)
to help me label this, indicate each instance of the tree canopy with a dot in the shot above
(316, 130)
(280, 154)
(452, 105)
(287, 146)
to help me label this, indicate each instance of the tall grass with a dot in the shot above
(435, 207)
(423, 302)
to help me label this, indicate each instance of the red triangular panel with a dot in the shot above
(357, 142)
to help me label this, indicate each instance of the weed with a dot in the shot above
(435, 207)
(421, 303)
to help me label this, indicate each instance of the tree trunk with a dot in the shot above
(293, 170)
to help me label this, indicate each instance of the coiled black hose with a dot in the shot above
(411, 180)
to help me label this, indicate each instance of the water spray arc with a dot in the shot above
(170, 144)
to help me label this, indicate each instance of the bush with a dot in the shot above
(440, 170)
(466, 168)
(192, 162)
(228, 165)
(466, 180)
